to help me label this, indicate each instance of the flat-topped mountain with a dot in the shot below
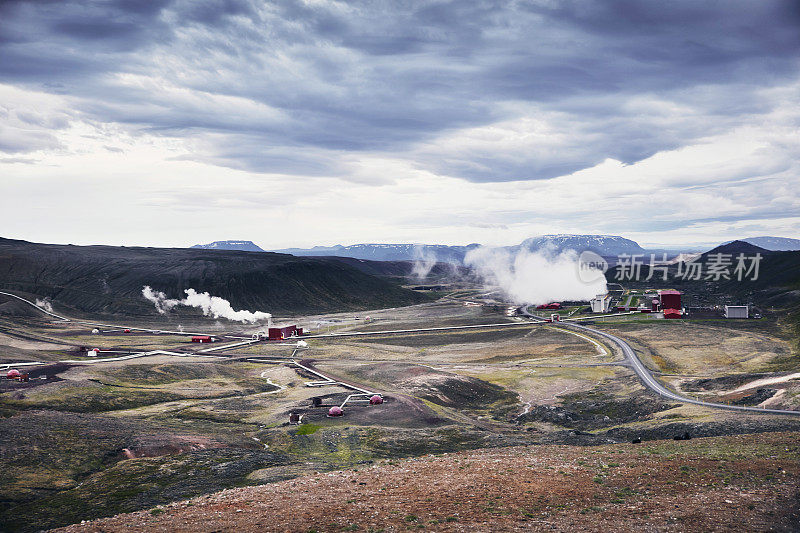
(245, 246)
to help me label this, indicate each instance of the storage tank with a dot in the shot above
(335, 411)
(376, 400)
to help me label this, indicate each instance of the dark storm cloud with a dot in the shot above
(72, 42)
(390, 77)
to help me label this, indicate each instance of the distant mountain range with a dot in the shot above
(244, 246)
(388, 252)
(605, 245)
(775, 244)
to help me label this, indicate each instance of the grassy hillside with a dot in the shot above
(109, 280)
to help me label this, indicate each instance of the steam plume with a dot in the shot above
(159, 299)
(45, 304)
(424, 261)
(534, 277)
(212, 306)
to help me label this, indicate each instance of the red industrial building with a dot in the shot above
(670, 299)
(672, 313)
(277, 334)
(554, 305)
(202, 338)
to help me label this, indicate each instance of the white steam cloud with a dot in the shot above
(534, 277)
(424, 261)
(212, 306)
(159, 299)
(45, 304)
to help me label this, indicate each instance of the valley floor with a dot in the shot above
(554, 413)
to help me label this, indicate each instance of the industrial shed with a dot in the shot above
(670, 299)
(737, 311)
(601, 303)
(284, 332)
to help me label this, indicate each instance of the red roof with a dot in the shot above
(669, 291)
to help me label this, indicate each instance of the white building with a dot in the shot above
(601, 303)
(736, 311)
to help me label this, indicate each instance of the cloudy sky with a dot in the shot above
(295, 123)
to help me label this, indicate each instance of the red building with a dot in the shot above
(554, 305)
(277, 334)
(672, 313)
(202, 338)
(670, 299)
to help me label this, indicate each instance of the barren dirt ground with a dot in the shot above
(711, 484)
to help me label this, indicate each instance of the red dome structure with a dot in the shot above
(335, 411)
(376, 400)
(13, 373)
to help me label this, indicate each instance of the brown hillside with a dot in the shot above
(739, 483)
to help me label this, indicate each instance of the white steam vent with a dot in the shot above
(212, 306)
(424, 261)
(535, 277)
(45, 304)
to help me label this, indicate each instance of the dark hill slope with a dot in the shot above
(403, 271)
(778, 273)
(109, 280)
(737, 247)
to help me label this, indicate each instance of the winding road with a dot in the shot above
(650, 381)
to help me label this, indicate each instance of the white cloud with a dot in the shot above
(301, 124)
